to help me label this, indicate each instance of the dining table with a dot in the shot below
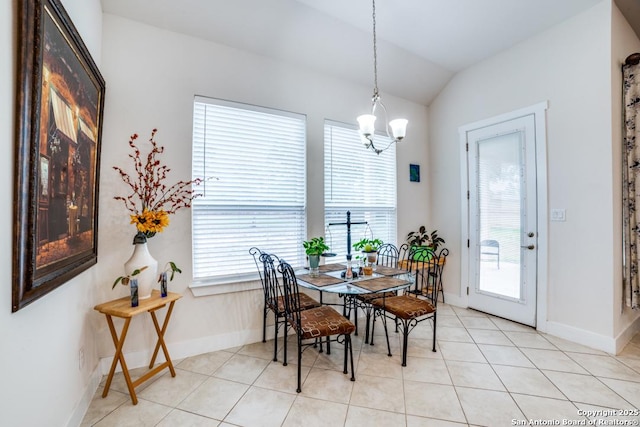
(331, 279)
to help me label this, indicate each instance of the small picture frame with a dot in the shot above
(414, 173)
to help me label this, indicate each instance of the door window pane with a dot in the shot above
(499, 209)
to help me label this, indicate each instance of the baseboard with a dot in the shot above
(83, 404)
(570, 333)
(581, 336)
(627, 334)
(457, 300)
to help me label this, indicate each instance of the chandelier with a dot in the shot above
(366, 122)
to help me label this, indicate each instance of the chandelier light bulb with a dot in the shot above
(367, 123)
(398, 128)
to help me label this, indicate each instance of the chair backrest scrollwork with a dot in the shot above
(273, 290)
(291, 292)
(388, 255)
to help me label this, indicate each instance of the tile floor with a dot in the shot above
(487, 372)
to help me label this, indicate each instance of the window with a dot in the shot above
(359, 181)
(258, 199)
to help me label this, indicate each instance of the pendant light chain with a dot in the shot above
(375, 55)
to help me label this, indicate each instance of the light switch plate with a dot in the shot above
(558, 215)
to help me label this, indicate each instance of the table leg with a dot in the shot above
(160, 341)
(119, 356)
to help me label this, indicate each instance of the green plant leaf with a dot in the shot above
(315, 246)
(174, 267)
(116, 282)
(138, 271)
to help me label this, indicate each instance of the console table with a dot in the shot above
(122, 308)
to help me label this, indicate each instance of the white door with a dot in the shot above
(503, 228)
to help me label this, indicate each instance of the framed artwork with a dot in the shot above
(414, 173)
(59, 128)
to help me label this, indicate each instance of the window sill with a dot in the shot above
(204, 289)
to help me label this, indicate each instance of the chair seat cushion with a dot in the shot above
(370, 297)
(405, 306)
(306, 302)
(323, 322)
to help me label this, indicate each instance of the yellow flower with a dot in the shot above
(150, 221)
(160, 220)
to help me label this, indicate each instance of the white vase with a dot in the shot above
(139, 259)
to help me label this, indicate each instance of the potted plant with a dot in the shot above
(369, 247)
(422, 238)
(314, 248)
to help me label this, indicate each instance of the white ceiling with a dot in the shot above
(421, 43)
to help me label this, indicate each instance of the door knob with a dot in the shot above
(530, 247)
(531, 234)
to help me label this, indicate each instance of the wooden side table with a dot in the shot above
(122, 308)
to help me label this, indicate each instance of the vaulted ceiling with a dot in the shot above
(421, 43)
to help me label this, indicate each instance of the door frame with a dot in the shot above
(539, 113)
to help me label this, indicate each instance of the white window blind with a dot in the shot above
(359, 181)
(258, 199)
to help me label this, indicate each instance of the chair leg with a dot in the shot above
(299, 389)
(353, 372)
(264, 324)
(328, 345)
(353, 307)
(275, 339)
(405, 342)
(346, 350)
(366, 326)
(373, 325)
(286, 338)
(434, 333)
(386, 333)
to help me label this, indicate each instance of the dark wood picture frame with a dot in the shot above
(60, 102)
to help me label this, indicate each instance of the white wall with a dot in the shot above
(42, 383)
(152, 76)
(624, 42)
(568, 65)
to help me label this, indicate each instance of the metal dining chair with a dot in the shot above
(435, 273)
(273, 295)
(388, 256)
(411, 308)
(313, 324)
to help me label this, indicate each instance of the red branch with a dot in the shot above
(148, 190)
